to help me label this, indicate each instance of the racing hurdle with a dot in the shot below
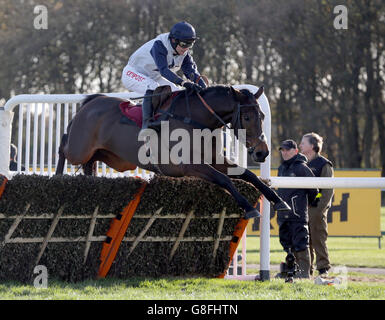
(122, 227)
(39, 115)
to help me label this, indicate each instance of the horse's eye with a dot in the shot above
(246, 117)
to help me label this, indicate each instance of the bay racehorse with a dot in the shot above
(96, 133)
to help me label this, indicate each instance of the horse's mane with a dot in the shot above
(219, 88)
(224, 89)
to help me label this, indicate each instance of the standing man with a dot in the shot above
(156, 62)
(293, 225)
(13, 159)
(311, 147)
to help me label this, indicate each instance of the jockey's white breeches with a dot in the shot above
(137, 82)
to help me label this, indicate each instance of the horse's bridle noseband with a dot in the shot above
(236, 118)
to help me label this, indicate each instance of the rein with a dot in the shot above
(212, 111)
(150, 95)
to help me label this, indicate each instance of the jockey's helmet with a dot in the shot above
(184, 35)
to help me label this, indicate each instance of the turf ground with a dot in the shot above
(195, 289)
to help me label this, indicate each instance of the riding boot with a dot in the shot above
(147, 112)
(303, 260)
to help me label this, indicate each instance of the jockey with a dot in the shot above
(155, 63)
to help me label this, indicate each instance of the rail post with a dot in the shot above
(6, 118)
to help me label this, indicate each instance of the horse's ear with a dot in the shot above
(237, 94)
(259, 92)
(205, 79)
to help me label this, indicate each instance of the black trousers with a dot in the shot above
(293, 235)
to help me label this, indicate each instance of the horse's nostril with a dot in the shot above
(259, 154)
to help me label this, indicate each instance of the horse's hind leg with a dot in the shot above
(89, 168)
(62, 158)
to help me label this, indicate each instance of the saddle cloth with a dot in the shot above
(134, 111)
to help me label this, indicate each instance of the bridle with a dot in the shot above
(236, 122)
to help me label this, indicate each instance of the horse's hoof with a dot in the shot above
(281, 206)
(252, 214)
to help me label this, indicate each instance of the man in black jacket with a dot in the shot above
(293, 225)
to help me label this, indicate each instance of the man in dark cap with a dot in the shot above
(293, 225)
(12, 160)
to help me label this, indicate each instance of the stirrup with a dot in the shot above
(155, 125)
(252, 214)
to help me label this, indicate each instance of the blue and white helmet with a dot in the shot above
(183, 33)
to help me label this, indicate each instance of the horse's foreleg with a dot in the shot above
(250, 177)
(208, 173)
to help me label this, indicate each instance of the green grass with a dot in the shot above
(353, 252)
(193, 289)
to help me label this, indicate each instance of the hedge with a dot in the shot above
(30, 203)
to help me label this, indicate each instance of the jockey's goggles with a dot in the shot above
(186, 43)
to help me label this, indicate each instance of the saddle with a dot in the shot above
(132, 113)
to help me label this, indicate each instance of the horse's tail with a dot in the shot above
(91, 97)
